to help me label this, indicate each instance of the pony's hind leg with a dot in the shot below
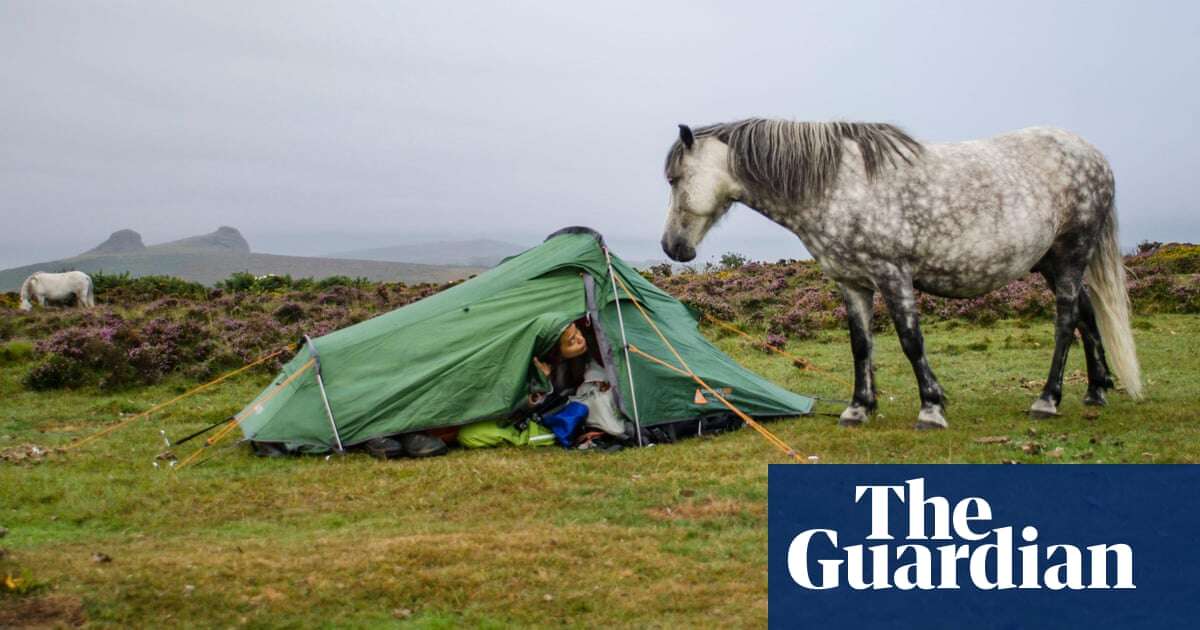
(901, 299)
(1099, 375)
(1098, 372)
(1068, 285)
(860, 313)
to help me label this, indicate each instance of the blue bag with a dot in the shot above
(564, 421)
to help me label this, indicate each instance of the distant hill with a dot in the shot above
(211, 257)
(474, 253)
(119, 242)
(225, 240)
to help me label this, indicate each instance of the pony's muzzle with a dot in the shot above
(677, 250)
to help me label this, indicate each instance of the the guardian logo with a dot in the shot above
(974, 552)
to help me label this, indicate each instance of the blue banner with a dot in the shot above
(984, 546)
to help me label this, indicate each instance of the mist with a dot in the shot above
(323, 127)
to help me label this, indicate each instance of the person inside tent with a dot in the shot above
(563, 366)
(554, 415)
(567, 387)
(551, 376)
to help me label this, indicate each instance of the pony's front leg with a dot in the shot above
(901, 299)
(860, 313)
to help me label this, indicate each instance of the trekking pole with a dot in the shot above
(312, 350)
(637, 421)
(770, 437)
(196, 434)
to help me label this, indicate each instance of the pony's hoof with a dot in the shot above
(1095, 398)
(931, 417)
(1042, 409)
(853, 416)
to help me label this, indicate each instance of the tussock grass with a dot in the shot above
(666, 536)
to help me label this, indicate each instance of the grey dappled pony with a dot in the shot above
(882, 212)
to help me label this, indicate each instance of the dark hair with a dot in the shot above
(568, 373)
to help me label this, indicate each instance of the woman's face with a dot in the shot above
(571, 343)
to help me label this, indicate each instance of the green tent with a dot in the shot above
(463, 355)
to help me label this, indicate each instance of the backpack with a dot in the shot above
(565, 421)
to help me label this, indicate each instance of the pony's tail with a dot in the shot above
(1105, 278)
(27, 294)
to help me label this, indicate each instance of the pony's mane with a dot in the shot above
(799, 161)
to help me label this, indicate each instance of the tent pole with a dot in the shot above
(637, 421)
(312, 349)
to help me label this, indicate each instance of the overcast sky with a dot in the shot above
(322, 127)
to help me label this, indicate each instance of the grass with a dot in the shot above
(667, 536)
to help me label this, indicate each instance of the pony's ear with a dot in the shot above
(686, 137)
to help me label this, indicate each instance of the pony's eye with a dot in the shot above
(672, 180)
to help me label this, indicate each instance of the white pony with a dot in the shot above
(57, 287)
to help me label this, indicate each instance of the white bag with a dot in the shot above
(603, 414)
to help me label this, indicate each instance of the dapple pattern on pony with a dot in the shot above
(57, 288)
(884, 213)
